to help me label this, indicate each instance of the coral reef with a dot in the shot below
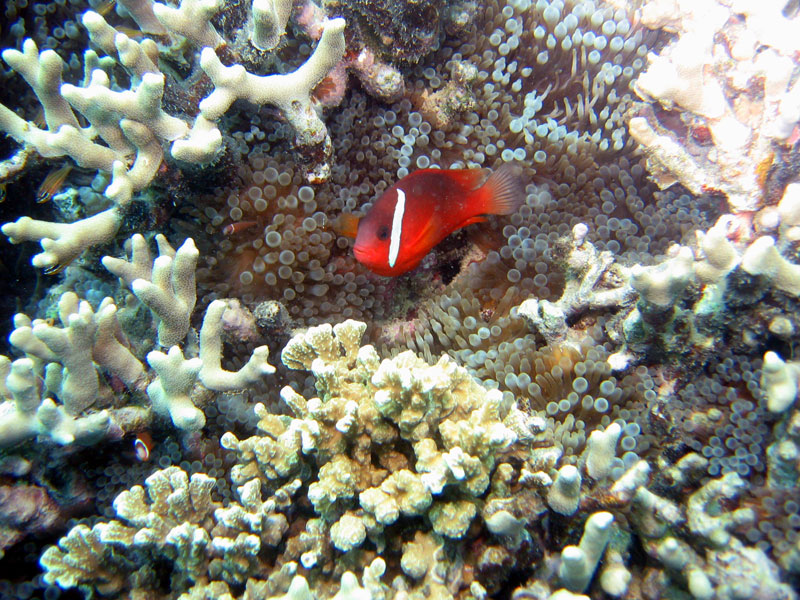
(594, 396)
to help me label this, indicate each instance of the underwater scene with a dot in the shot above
(400, 299)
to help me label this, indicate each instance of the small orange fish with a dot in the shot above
(39, 119)
(142, 446)
(105, 7)
(131, 32)
(238, 227)
(56, 269)
(426, 206)
(52, 183)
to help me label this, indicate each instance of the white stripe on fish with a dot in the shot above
(397, 227)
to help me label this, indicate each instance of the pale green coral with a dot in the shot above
(81, 559)
(388, 440)
(173, 519)
(336, 346)
(424, 560)
(451, 519)
(402, 492)
(348, 532)
(337, 484)
(456, 427)
(274, 455)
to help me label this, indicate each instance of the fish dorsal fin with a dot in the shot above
(469, 179)
(503, 192)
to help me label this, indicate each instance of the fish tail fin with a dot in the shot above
(504, 191)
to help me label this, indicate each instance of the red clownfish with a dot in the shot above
(426, 206)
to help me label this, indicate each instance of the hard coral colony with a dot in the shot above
(592, 396)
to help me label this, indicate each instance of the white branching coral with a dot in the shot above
(24, 414)
(171, 391)
(57, 391)
(167, 287)
(578, 563)
(66, 358)
(128, 126)
(269, 22)
(289, 92)
(648, 298)
(212, 375)
(779, 380)
(64, 242)
(192, 20)
(129, 122)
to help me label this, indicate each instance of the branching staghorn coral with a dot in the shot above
(269, 22)
(127, 123)
(24, 414)
(66, 360)
(290, 93)
(779, 381)
(171, 296)
(166, 285)
(132, 124)
(70, 358)
(192, 20)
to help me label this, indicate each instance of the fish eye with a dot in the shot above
(383, 233)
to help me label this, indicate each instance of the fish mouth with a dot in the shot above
(360, 254)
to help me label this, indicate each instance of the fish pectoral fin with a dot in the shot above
(431, 234)
(471, 220)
